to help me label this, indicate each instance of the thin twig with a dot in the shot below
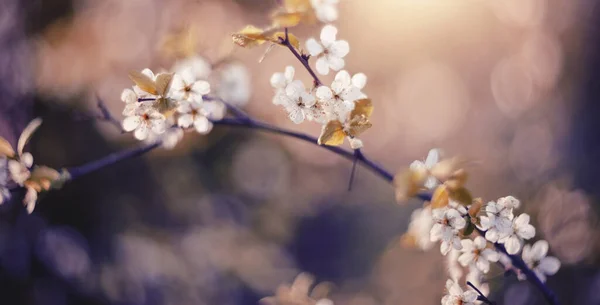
(106, 115)
(302, 59)
(481, 296)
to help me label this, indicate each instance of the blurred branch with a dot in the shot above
(106, 115)
(481, 297)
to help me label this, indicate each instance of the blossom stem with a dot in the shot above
(481, 296)
(76, 172)
(301, 58)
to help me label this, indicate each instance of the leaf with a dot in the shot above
(407, 184)
(444, 169)
(143, 81)
(162, 83)
(462, 196)
(297, 5)
(332, 134)
(474, 210)
(469, 228)
(457, 180)
(358, 127)
(362, 107)
(249, 37)
(287, 19)
(440, 197)
(294, 41)
(408, 241)
(27, 133)
(6, 149)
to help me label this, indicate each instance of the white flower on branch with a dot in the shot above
(325, 10)
(421, 222)
(433, 157)
(297, 102)
(476, 278)
(476, 255)
(193, 113)
(497, 222)
(338, 101)
(456, 296)
(185, 87)
(536, 259)
(169, 139)
(447, 223)
(521, 229)
(145, 120)
(330, 52)
(280, 81)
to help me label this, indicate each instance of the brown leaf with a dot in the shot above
(440, 197)
(332, 134)
(163, 82)
(474, 210)
(362, 107)
(462, 196)
(286, 19)
(249, 37)
(457, 179)
(297, 5)
(407, 184)
(143, 81)
(444, 169)
(6, 149)
(408, 241)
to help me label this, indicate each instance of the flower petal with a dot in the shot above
(328, 35)
(335, 63)
(512, 244)
(131, 123)
(339, 48)
(313, 47)
(201, 87)
(322, 65)
(359, 80)
(549, 265)
(202, 125)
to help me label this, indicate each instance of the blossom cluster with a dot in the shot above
(17, 169)
(454, 219)
(160, 107)
(342, 108)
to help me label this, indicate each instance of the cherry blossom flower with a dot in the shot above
(130, 98)
(521, 229)
(509, 202)
(476, 254)
(280, 81)
(185, 87)
(297, 101)
(325, 10)
(456, 296)
(169, 139)
(200, 68)
(447, 223)
(193, 113)
(433, 157)
(329, 52)
(536, 259)
(338, 101)
(498, 220)
(144, 120)
(4, 191)
(234, 84)
(421, 221)
(454, 270)
(476, 278)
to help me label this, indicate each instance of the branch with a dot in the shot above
(481, 296)
(302, 59)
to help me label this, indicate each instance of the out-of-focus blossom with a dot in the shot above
(186, 87)
(234, 84)
(200, 68)
(535, 257)
(433, 157)
(456, 296)
(475, 254)
(325, 10)
(419, 228)
(330, 52)
(193, 113)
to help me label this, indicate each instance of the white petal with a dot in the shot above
(177, 83)
(522, 220)
(467, 245)
(469, 296)
(344, 78)
(323, 93)
(201, 87)
(328, 35)
(131, 123)
(528, 255)
(141, 133)
(322, 65)
(490, 255)
(445, 248)
(27, 159)
(540, 275)
(202, 125)
(296, 115)
(492, 235)
(195, 98)
(339, 48)
(479, 242)
(512, 245)
(313, 47)
(456, 243)
(483, 265)
(436, 232)
(185, 120)
(148, 73)
(335, 63)
(289, 74)
(466, 258)
(128, 96)
(359, 80)
(454, 288)
(355, 143)
(215, 110)
(539, 250)
(308, 99)
(549, 265)
(30, 199)
(278, 81)
(351, 93)
(295, 89)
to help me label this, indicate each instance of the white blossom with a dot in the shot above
(130, 98)
(447, 223)
(521, 229)
(433, 157)
(20, 169)
(476, 278)
(421, 222)
(30, 199)
(185, 87)
(454, 270)
(475, 254)
(297, 102)
(168, 139)
(329, 52)
(234, 84)
(193, 113)
(280, 81)
(536, 259)
(325, 10)
(338, 101)
(498, 220)
(144, 120)
(509, 202)
(4, 191)
(200, 68)
(355, 143)
(456, 296)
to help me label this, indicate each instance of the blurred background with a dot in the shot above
(226, 218)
